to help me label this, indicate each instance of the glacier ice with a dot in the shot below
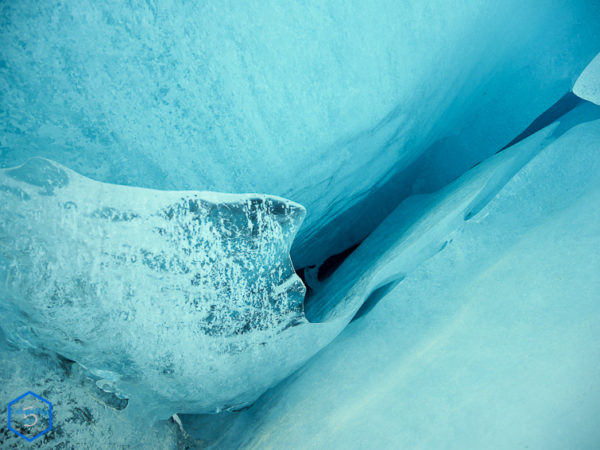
(416, 231)
(447, 160)
(491, 338)
(154, 292)
(319, 103)
(83, 415)
(587, 85)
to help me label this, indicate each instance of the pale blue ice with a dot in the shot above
(281, 224)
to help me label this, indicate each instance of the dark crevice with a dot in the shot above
(324, 271)
(332, 263)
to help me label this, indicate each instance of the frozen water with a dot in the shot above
(491, 338)
(319, 103)
(155, 292)
(587, 85)
(470, 308)
(83, 415)
(418, 229)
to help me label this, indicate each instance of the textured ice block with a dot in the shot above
(154, 292)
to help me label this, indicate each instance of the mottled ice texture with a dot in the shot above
(587, 85)
(84, 416)
(318, 102)
(156, 292)
(490, 337)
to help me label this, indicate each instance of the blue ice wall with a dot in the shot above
(319, 103)
(489, 336)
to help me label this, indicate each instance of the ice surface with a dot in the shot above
(155, 292)
(474, 305)
(319, 103)
(491, 338)
(83, 415)
(587, 85)
(418, 229)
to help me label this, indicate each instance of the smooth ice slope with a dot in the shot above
(317, 102)
(161, 294)
(587, 85)
(492, 342)
(414, 232)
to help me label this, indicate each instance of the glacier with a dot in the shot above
(334, 106)
(491, 340)
(270, 224)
